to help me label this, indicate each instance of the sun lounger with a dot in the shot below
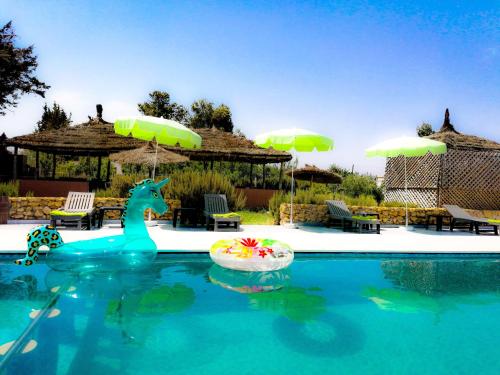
(460, 216)
(78, 209)
(338, 210)
(217, 212)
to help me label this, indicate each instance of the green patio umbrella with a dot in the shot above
(163, 131)
(406, 147)
(300, 140)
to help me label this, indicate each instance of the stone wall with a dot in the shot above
(39, 208)
(318, 213)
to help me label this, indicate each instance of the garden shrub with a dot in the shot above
(9, 189)
(189, 187)
(355, 185)
(120, 186)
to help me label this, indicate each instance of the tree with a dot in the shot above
(17, 69)
(339, 170)
(53, 118)
(159, 105)
(221, 118)
(424, 130)
(355, 185)
(202, 114)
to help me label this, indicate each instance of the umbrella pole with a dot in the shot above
(153, 174)
(406, 195)
(291, 201)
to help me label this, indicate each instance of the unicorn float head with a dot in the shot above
(133, 248)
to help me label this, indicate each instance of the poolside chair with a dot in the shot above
(460, 217)
(78, 209)
(339, 211)
(217, 212)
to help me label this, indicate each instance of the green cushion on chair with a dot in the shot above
(229, 214)
(494, 221)
(65, 213)
(361, 218)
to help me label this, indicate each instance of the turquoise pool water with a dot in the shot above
(326, 314)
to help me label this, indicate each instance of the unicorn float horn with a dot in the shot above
(162, 183)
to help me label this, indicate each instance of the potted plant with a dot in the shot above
(8, 189)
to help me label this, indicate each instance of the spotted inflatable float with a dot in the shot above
(251, 254)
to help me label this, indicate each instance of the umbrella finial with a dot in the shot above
(447, 125)
(99, 111)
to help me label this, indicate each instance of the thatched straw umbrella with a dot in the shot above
(94, 138)
(315, 174)
(468, 175)
(218, 145)
(145, 155)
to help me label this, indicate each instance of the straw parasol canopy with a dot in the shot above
(145, 155)
(315, 174)
(456, 140)
(468, 175)
(218, 145)
(98, 138)
(95, 137)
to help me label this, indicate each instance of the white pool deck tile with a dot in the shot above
(304, 239)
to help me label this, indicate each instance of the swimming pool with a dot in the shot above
(325, 314)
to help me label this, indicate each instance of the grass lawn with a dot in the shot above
(256, 218)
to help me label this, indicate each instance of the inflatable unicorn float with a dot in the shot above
(133, 248)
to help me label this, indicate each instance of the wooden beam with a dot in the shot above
(99, 164)
(88, 168)
(280, 184)
(53, 166)
(37, 165)
(108, 171)
(14, 165)
(251, 174)
(263, 176)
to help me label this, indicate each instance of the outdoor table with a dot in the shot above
(439, 221)
(364, 213)
(185, 212)
(103, 210)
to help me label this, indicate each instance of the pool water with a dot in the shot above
(325, 314)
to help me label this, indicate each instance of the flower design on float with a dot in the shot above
(249, 242)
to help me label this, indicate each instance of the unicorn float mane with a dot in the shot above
(130, 195)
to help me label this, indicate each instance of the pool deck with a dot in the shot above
(304, 239)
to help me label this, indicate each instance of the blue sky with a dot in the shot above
(358, 71)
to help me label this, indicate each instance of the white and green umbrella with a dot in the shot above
(163, 131)
(300, 140)
(406, 147)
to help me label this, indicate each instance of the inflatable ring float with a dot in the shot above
(251, 254)
(248, 282)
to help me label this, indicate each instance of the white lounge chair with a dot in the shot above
(79, 209)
